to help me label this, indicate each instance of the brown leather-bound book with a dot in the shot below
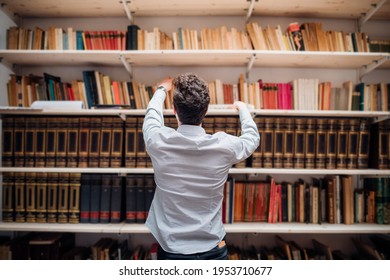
(238, 211)
(31, 210)
(353, 140)
(41, 195)
(299, 143)
(30, 142)
(363, 145)
(8, 196)
(331, 144)
(19, 141)
(267, 143)
(116, 143)
(74, 197)
(84, 142)
(20, 209)
(63, 198)
(331, 199)
(379, 145)
(140, 146)
(40, 146)
(52, 197)
(320, 144)
(310, 143)
(257, 156)
(131, 142)
(348, 200)
(8, 141)
(94, 141)
(106, 138)
(51, 141)
(342, 143)
(288, 142)
(73, 142)
(208, 124)
(62, 142)
(278, 143)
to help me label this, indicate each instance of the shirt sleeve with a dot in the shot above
(249, 139)
(154, 118)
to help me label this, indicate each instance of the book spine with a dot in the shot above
(19, 138)
(31, 210)
(363, 145)
(299, 143)
(106, 137)
(117, 196)
(42, 197)
(40, 147)
(95, 198)
(320, 153)
(73, 142)
(74, 198)
(353, 140)
(131, 143)
(84, 142)
(342, 144)
(331, 144)
(310, 143)
(20, 210)
(94, 142)
(105, 194)
(63, 198)
(85, 198)
(117, 143)
(8, 141)
(62, 139)
(130, 199)
(52, 197)
(288, 143)
(268, 142)
(278, 143)
(140, 200)
(8, 205)
(30, 142)
(51, 141)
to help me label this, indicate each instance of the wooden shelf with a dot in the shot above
(237, 171)
(123, 228)
(350, 9)
(239, 58)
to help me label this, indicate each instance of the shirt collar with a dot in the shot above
(193, 130)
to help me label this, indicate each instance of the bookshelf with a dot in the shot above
(185, 59)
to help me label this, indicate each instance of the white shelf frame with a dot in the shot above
(242, 58)
(211, 112)
(276, 228)
(232, 171)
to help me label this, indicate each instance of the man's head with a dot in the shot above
(191, 98)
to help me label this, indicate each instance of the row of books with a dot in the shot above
(62, 246)
(311, 35)
(97, 89)
(313, 143)
(373, 247)
(76, 198)
(332, 199)
(109, 142)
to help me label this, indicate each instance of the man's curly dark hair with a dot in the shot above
(191, 98)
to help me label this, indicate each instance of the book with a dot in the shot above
(105, 199)
(117, 199)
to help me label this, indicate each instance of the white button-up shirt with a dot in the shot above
(190, 169)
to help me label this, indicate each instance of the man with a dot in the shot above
(190, 169)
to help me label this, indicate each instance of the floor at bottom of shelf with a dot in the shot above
(123, 228)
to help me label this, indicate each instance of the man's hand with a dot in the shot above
(166, 83)
(238, 105)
